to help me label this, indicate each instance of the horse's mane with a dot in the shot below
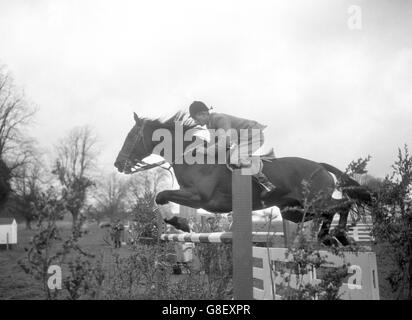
(182, 117)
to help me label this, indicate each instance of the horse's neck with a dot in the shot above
(177, 142)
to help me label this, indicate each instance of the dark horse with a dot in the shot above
(208, 186)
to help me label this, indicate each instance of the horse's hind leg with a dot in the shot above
(338, 236)
(340, 230)
(323, 235)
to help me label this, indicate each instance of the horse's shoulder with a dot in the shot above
(295, 160)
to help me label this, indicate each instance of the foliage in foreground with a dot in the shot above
(392, 212)
(146, 272)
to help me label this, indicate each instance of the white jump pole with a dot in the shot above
(286, 232)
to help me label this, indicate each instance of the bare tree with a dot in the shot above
(76, 157)
(143, 189)
(29, 180)
(16, 148)
(15, 115)
(5, 188)
(148, 183)
(110, 196)
(25, 192)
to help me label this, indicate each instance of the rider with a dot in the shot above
(201, 115)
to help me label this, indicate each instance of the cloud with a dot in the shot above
(327, 93)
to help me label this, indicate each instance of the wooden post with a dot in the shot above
(286, 232)
(202, 223)
(7, 241)
(161, 227)
(242, 236)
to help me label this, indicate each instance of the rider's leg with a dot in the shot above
(260, 177)
(255, 141)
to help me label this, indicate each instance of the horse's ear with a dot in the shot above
(136, 118)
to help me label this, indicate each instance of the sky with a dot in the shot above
(327, 92)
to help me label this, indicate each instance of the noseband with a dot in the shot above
(128, 156)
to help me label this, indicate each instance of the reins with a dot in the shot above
(142, 165)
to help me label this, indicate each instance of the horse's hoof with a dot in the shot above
(326, 242)
(183, 225)
(341, 237)
(329, 241)
(161, 200)
(336, 242)
(178, 223)
(343, 240)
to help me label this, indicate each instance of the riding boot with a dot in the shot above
(268, 186)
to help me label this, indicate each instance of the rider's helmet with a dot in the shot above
(196, 107)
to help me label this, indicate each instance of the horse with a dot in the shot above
(298, 181)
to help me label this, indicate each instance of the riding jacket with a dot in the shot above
(226, 122)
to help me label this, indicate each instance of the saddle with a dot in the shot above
(268, 156)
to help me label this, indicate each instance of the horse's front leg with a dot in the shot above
(178, 222)
(182, 197)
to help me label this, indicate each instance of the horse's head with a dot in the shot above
(136, 147)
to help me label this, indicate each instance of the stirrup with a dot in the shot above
(267, 190)
(265, 193)
(234, 166)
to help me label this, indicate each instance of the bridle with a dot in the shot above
(128, 155)
(139, 165)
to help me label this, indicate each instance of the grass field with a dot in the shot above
(16, 284)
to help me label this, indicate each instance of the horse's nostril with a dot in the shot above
(118, 165)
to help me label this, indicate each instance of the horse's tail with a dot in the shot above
(350, 186)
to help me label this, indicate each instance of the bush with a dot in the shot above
(392, 228)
